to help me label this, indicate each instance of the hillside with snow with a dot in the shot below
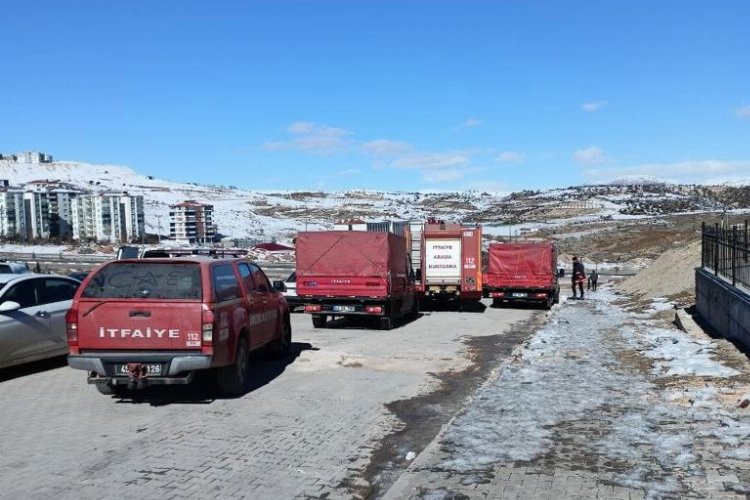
(242, 213)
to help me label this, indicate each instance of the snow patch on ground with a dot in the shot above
(572, 375)
(677, 354)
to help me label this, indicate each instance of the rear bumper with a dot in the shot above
(522, 294)
(294, 299)
(357, 306)
(450, 292)
(102, 363)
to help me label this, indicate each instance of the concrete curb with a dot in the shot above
(687, 324)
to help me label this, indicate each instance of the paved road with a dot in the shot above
(307, 429)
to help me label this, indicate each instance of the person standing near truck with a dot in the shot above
(578, 277)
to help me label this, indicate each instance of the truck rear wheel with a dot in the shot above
(414, 313)
(319, 320)
(386, 323)
(233, 380)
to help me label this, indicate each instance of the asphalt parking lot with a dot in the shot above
(327, 421)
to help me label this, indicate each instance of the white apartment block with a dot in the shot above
(12, 213)
(36, 211)
(47, 208)
(112, 217)
(192, 222)
(26, 157)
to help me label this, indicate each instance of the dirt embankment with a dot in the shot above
(671, 275)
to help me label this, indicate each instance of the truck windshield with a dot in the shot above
(146, 281)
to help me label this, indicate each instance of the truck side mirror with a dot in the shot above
(279, 286)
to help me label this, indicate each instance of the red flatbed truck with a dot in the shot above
(451, 268)
(523, 272)
(355, 273)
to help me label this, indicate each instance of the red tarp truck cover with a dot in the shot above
(523, 265)
(351, 264)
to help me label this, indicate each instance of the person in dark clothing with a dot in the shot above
(594, 277)
(578, 277)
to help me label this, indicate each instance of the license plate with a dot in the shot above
(520, 294)
(151, 369)
(343, 309)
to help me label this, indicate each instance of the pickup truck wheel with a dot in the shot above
(280, 346)
(319, 320)
(233, 380)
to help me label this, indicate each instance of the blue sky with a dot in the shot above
(398, 95)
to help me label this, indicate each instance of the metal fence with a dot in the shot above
(726, 252)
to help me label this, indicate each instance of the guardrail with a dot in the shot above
(274, 270)
(725, 251)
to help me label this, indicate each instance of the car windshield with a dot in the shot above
(146, 281)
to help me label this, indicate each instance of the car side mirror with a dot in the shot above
(279, 286)
(561, 273)
(9, 305)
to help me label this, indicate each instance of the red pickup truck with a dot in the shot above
(140, 322)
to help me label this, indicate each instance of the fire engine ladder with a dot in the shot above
(416, 250)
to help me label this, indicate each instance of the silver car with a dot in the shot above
(13, 268)
(32, 316)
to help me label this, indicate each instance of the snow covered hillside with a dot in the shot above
(243, 213)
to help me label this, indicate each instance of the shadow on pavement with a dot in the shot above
(367, 323)
(203, 389)
(44, 365)
(469, 306)
(519, 305)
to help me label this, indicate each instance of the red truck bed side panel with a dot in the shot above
(471, 257)
(526, 265)
(351, 263)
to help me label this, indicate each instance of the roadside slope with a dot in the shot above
(670, 275)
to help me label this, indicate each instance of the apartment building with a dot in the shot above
(47, 209)
(12, 213)
(26, 157)
(191, 222)
(113, 217)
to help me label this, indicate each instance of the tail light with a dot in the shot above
(540, 295)
(71, 326)
(312, 308)
(207, 328)
(498, 295)
(374, 309)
